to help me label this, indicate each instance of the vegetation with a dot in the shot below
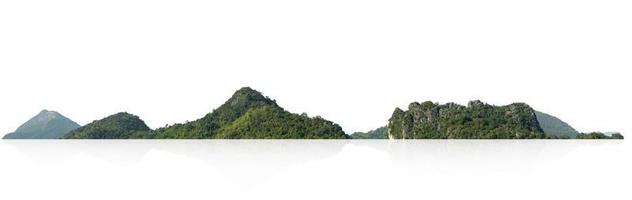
(45, 125)
(118, 126)
(250, 115)
(554, 127)
(379, 133)
(598, 135)
(476, 121)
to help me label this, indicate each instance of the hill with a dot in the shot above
(118, 126)
(478, 120)
(45, 125)
(250, 115)
(379, 133)
(554, 127)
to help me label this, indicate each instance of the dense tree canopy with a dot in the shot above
(118, 126)
(250, 115)
(598, 135)
(379, 133)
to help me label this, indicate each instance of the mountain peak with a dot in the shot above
(248, 92)
(47, 115)
(247, 96)
(45, 125)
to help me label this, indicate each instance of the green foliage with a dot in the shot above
(118, 126)
(554, 127)
(598, 135)
(269, 122)
(477, 121)
(396, 123)
(45, 125)
(250, 115)
(617, 136)
(379, 133)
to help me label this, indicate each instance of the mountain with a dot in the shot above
(45, 125)
(478, 120)
(250, 115)
(118, 126)
(379, 133)
(554, 127)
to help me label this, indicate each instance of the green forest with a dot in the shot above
(248, 114)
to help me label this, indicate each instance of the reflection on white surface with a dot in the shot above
(314, 169)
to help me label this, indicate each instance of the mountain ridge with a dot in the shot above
(248, 114)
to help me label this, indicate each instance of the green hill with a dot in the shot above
(118, 126)
(379, 133)
(478, 120)
(45, 125)
(598, 135)
(250, 115)
(554, 127)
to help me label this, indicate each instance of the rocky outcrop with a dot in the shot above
(478, 120)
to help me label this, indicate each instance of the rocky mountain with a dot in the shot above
(45, 125)
(379, 133)
(118, 126)
(250, 115)
(478, 120)
(554, 127)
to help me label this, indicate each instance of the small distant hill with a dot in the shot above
(599, 135)
(379, 133)
(118, 126)
(45, 125)
(554, 127)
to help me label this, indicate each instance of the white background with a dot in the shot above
(351, 62)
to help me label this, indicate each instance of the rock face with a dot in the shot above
(45, 125)
(118, 126)
(478, 120)
(554, 127)
(250, 115)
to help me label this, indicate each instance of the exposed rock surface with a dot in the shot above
(478, 120)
